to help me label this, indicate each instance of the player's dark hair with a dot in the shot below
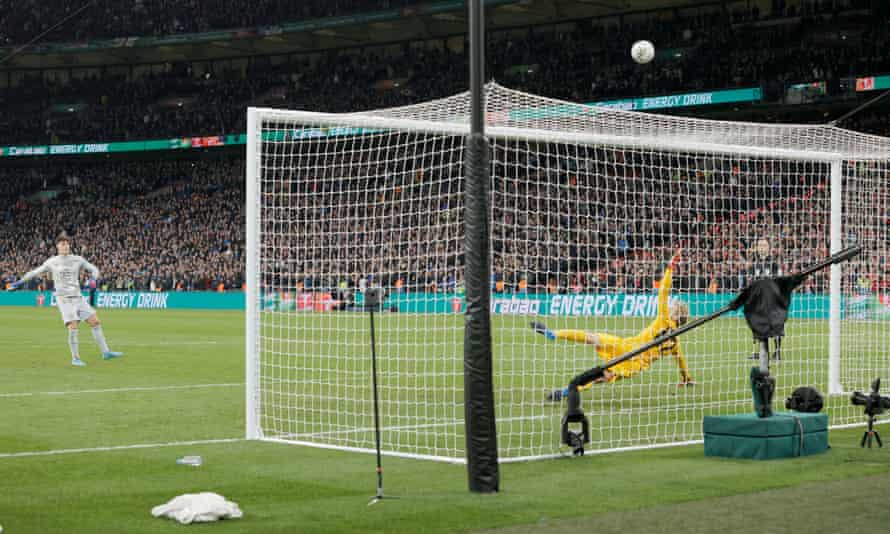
(63, 237)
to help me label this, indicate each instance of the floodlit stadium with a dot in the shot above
(347, 267)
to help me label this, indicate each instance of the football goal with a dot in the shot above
(588, 205)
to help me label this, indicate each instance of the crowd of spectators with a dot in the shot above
(587, 64)
(146, 225)
(595, 220)
(22, 20)
(591, 220)
(872, 122)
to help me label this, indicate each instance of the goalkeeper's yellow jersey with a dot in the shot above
(612, 346)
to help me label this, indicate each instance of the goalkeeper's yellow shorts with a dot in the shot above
(611, 347)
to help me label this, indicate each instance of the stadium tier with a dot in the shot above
(580, 62)
(157, 225)
(167, 17)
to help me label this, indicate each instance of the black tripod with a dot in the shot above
(875, 405)
(871, 433)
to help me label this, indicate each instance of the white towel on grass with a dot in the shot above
(198, 508)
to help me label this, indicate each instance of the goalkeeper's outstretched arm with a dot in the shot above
(665, 285)
(685, 377)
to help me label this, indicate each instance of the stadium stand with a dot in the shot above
(106, 20)
(177, 224)
(573, 65)
(155, 225)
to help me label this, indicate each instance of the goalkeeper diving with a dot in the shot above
(670, 317)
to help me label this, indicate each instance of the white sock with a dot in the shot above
(72, 344)
(100, 338)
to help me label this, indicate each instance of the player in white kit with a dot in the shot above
(65, 269)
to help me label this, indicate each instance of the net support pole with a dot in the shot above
(479, 418)
(834, 282)
(379, 494)
(251, 300)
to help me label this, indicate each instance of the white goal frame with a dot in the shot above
(832, 147)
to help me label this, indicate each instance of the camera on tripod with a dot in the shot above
(874, 403)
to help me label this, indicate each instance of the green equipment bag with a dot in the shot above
(784, 435)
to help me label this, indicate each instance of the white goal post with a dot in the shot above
(588, 204)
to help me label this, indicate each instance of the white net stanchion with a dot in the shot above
(588, 206)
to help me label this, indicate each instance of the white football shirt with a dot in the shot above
(65, 272)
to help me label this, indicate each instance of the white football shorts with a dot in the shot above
(74, 308)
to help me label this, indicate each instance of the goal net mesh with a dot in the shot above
(588, 205)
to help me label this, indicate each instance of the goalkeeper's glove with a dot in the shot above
(686, 380)
(15, 285)
(557, 394)
(542, 329)
(675, 260)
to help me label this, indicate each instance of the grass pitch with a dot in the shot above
(93, 449)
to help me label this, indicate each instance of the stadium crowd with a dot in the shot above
(147, 226)
(613, 224)
(585, 65)
(599, 220)
(20, 21)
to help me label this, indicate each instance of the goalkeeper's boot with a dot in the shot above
(111, 355)
(77, 362)
(542, 329)
(556, 395)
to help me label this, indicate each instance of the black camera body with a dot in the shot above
(374, 297)
(874, 403)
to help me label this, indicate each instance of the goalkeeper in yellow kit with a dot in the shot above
(609, 346)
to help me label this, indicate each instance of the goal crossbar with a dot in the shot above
(373, 123)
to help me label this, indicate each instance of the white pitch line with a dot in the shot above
(421, 426)
(233, 440)
(123, 344)
(119, 390)
(117, 448)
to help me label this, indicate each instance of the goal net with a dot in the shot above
(588, 205)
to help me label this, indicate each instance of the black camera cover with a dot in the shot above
(766, 304)
(805, 399)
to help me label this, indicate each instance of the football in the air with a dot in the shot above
(642, 52)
